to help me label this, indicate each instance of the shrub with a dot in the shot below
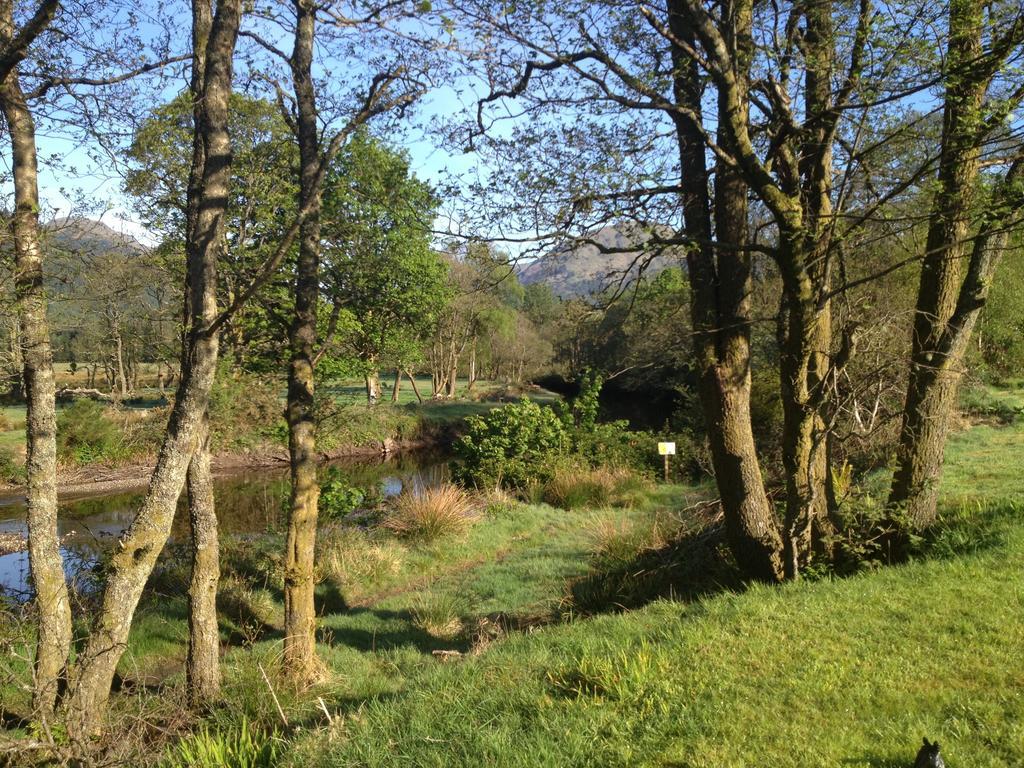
(338, 497)
(12, 471)
(510, 446)
(430, 513)
(244, 747)
(87, 432)
(339, 426)
(245, 410)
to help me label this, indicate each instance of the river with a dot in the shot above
(250, 502)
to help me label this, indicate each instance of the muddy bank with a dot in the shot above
(97, 480)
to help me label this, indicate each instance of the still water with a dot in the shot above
(252, 502)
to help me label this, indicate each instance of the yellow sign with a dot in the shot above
(667, 449)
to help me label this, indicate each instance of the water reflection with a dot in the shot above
(253, 502)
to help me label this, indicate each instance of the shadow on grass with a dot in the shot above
(372, 639)
(694, 564)
(697, 563)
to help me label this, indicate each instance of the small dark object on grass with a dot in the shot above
(928, 756)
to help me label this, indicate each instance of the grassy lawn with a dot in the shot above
(832, 672)
(849, 672)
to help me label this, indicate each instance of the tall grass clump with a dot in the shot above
(439, 615)
(348, 556)
(573, 487)
(430, 513)
(243, 747)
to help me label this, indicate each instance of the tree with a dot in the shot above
(392, 86)
(90, 680)
(53, 610)
(956, 273)
(379, 269)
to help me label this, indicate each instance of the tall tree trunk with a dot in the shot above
(720, 284)
(472, 367)
(53, 610)
(805, 318)
(300, 660)
(934, 375)
(135, 554)
(202, 665)
(372, 388)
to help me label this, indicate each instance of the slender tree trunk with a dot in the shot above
(202, 663)
(300, 660)
(202, 666)
(119, 371)
(453, 381)
(472, 367)
(398, 385)
(415, 387)
(720, 284)
(53, 610)
(135, 554)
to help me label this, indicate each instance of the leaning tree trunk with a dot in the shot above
(397, 388)
(720, 285)
(300, 659)
(135, 554)
(53, 610)
(415, 387)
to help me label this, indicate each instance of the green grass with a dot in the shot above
(833, 672)
(851, 672)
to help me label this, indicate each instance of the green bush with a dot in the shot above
(338, 497)
(12, 471)
(86, 432)
(511, 446)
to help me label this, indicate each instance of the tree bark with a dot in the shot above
(935, 365)
(372, 388)
(720, 285)
(398, 385)
(202, 665)
(135, 554)
(300, 659)
(53, 610)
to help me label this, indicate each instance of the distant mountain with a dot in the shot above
(85, 236)
(583, 268)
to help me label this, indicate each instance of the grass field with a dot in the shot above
(830, 672)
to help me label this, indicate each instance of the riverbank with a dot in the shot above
(91, 480)
(106, 451)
